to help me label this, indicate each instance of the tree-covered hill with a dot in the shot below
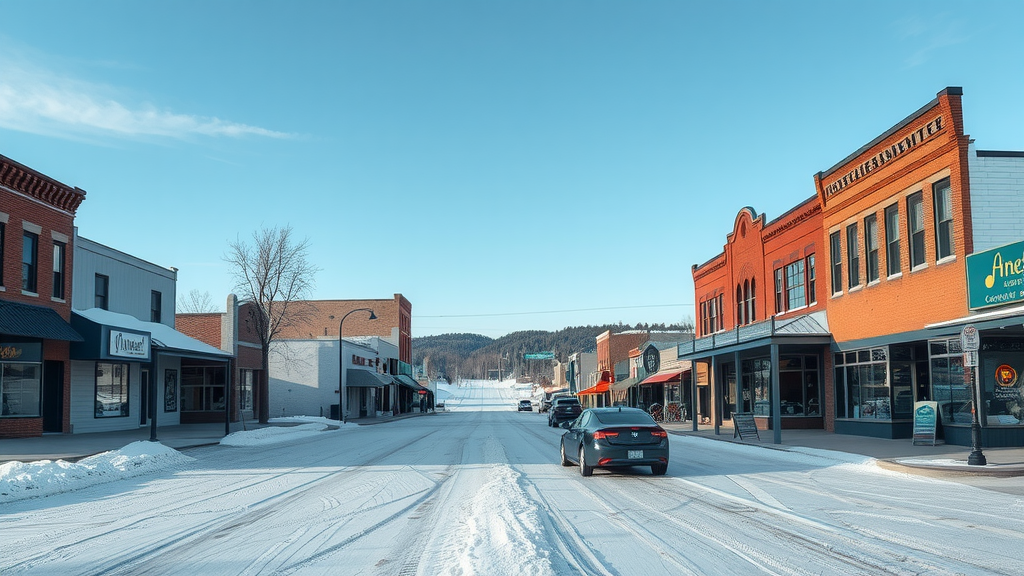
(454, 356)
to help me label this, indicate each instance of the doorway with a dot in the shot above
(53, 396)
(144, 398)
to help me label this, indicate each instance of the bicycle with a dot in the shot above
(657, 412)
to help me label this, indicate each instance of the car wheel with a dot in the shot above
(584, 469)
(565, 461)
(659, 469)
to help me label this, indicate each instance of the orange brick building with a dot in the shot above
(908, 240)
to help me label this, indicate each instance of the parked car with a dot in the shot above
(610, 437)
(525, 405)
(564, 409)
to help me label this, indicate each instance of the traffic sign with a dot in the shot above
(539, 356)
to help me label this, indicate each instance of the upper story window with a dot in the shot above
(3, 242)
(29, 261)
(892, 240)
(943, 198)
(852, 256)
(915, 227)
(796, 291)
(871, 247)
(780, 291)
(102, 291)
(812, 294)
(154, 306)
(751, 309)
(836, 252)
(58, 270)
(740, 305)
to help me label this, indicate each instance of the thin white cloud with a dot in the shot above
(928, 36)
(36, 101)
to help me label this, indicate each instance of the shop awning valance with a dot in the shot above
(408, 382)
(35, 322)
(164, 338)
(599, 388)
(623, 384)
(357, 378)
(662, 377)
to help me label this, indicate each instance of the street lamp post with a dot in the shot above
(341, 360)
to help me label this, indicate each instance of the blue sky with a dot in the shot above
(504, 165)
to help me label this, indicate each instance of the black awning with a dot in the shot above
(35, 322)
(408, 382)
(356, 378)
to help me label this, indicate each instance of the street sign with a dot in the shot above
(971, 359)
(540, 356)
(970, 340)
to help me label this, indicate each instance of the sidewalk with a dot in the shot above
(892, 453)
(72, 447)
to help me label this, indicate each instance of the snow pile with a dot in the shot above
(503, 531)
(20, 480)
(273, 434)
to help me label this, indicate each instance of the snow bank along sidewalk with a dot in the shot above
(19, 480)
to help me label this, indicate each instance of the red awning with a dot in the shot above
(662, 377)
(598, 388)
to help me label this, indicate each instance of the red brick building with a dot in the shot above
(321, 318)
(37, 215)
(759, 304)
(231, 331)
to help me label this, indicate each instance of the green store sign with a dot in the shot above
(996, 277)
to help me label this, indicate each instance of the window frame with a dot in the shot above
(3, 244)
(59, 267)
(30, 269)
(871, 247)
(155, 306)
(942, 199)
(852, 256)
(780, 291)
(893, 265)
(125, 390)
(836, 254)
(916, 239)
(796, 292)
(812, 280)
(101, 300)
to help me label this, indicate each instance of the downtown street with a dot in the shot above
(478, 489)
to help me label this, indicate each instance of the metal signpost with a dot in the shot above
(970, 342)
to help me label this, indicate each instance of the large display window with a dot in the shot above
(111, 390)
(946, 361)
(203, 388)
(1001, 387)
(21, 382)
(862, 384)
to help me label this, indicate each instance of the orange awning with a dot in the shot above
(598, 388)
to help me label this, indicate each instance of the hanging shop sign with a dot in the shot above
(996, 277)
(652, 360)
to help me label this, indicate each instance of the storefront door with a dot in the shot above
(53, 396)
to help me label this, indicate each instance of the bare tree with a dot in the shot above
(195, 302)
(273, 273)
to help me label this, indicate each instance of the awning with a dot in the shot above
(599, 388)
(357, 378)
(661, 377)
(35, 322)
(408, 382)
(96, 322)
(623, 384)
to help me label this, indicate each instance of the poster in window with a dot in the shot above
(170, 390)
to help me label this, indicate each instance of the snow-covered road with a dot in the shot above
(478, 490)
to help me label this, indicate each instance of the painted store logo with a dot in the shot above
(1006, 376)
(913, 140)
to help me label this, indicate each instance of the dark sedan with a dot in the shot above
(611, 437)
(564, 409)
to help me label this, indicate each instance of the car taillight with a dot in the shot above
(603, 461)
(659, 433)
(601, 435)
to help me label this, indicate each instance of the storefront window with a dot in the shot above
(862, 387)
(111, 390)
(946, 360)
(1002, 389)
(757, 384)
(245, 402)
(20, 386)
(202, 388)
(799, 386)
